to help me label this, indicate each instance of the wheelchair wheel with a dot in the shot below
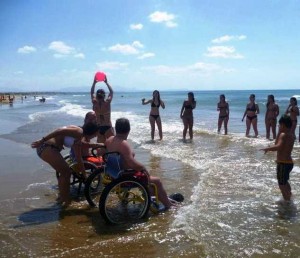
(124, 200)
(93, 187)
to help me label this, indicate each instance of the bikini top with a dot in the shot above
(153, 104)
(188, 107)
(69, 141)
(253, 108)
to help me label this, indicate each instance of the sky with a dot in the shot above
(59, 45)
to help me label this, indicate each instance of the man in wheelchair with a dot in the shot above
(119, 143)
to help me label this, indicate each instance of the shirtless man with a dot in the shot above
(119, 144)
(101, 106)
(284, 145)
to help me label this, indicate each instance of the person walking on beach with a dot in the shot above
(186, 114)
(252, 110)
(271, 117)
(119, 143)
(49, 147)
(154, 116)
(293, 112)
(102, 108)
(223, 108)
(284, 145)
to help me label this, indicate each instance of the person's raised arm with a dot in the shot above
(111, 92)
(144, 102)
(93, 89)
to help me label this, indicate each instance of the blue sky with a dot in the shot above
(151, 44)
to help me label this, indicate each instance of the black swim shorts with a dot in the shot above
(283, 172)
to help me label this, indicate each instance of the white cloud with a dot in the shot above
(223, 52)
(163, 17)
(127, 49)
(227, 38)
(26, 50)
(61, 48)
(199, 68)
(108, 65)
(146, 55)
(19, 72)
(79, 55)
(138, 26)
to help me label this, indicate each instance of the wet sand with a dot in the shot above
(33, 225)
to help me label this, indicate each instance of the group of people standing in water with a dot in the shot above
(97, 123)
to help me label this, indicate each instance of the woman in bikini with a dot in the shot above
(154, 117)
(223, 108)
(49, 147)
(252, 110)
(186, 114)
(101, 106)
(293, 112)
(271, 117)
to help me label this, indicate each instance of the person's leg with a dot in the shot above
(56, 160)
(286, 191)
(220, 121)
(152, 123)
(225, 125)
(273, 126)
(159, 126)
(267, 122)
(191, 123)
(248, 124)
(185, 127)
(162, 194)
(254, 125)
(293, 128)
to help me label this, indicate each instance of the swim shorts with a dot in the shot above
(283, 172)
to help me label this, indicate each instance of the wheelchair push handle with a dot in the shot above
(95, 151)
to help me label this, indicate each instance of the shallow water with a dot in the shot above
(229, 185)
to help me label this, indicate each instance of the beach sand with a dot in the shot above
(33, 225)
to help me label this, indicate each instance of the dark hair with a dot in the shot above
(89, 114)
(252, 96)
(286, 120)
(122, 125)
(294, 99)
(158, 96)
(100, 93)
(192, 95)
(222, 96)
(271, 97)
(90, 128)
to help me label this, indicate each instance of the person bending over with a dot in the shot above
(49, 147)
(119, 143)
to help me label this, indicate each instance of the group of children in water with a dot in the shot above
(98, 124)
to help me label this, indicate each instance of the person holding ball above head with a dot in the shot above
(154, 117)
(283, 146)
(186, 114)
(102, 107)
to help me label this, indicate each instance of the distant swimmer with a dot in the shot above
(102, 108)
(223, 108)
(293, 112)
(186, 114)
(154, 116)
(271, 117)
(284, 145)
(252, 110)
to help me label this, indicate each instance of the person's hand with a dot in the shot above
(37, 144)
(265, 150)
(242, 119)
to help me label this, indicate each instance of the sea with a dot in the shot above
(231, 206)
